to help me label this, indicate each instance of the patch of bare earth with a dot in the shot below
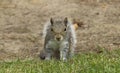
(22, 21)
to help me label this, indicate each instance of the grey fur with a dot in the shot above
(67, 39)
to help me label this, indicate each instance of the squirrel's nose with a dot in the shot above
(58, 38)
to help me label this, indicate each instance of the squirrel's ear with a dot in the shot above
(51, 21)
(66, 21)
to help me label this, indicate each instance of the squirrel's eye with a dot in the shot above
(65, 29)
(51, 29)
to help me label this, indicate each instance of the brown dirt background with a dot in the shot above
(22, 21)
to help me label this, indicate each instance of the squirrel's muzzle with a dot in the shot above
(58, 37)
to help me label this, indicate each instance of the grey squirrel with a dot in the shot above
(59, 39)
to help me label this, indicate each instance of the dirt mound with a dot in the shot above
(22, 21)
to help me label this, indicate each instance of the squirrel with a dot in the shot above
(59, 39)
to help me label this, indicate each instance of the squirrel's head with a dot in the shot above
(59, 28)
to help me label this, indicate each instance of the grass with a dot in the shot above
(106, 62)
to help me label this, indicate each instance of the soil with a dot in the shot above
(22, 22)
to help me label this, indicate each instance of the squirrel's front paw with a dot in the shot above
(47, 58)
(63, 59)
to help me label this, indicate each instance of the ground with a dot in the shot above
(22, 21)
(105, 62)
